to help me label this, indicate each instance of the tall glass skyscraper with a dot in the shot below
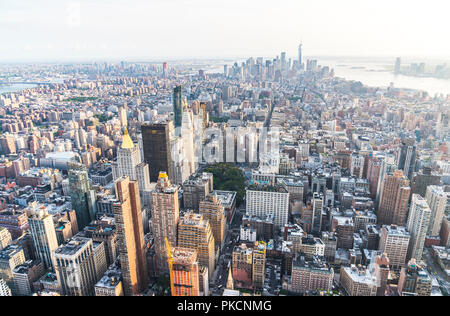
(177, 106)
(81, 194)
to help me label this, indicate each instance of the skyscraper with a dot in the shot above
(165, 215)
(156, 139)
(398, 63)
(394, 242)
(300, 57)
(43, 233)
(418, 223)
(195, 232)
(177, 106)
(212, 210)
(439, 202)
(129, 164)
(74, 265)
(407, 158)
(81, 195)
(184, 272)
(394, 200)
(130, 232)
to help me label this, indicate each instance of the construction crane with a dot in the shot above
(170, 261)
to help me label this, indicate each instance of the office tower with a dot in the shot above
(344, 228)
(300, 57)
(381, 271)
(165, 70)
(398, 64)
(75, 267)
(5, 238)
(122, 114)
(195, 232)
(418, 224)
(165, 215)
(439, 202)
(262, 201)
(388, 166)
(394, 242)
(10, 257)
(329, 239)
(188, 149)
(184, 272)
(4, 289)
(43, 233)
(227, 93)
(82, 196)
(407, 159)
(317, 208)
(104, 231)
(259, 265)
(311, 275)
(212, 210)
(177, 106)
(421, 181)
(414, 280)
(130, 234)
(129, 164)
(196, 190)
(394, 200)
(242, 266)
(358, 281)
(25, 275)
(156, 139)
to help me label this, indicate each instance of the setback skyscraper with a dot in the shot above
(130, 233)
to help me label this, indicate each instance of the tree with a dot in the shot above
(228, 177)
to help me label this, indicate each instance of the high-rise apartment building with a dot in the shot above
(418, 223)
(438, 200)
(43, 232)
(5, 238)
(165, 216)
(130, 233)
(394, 242)
(10, 257)
(195, 232)
(184, 272)
(156, 139)
(421, 181)
(212, 210)
(262, 201)
(82, 196)
(393, 207)
(74, 264)
(4, 289)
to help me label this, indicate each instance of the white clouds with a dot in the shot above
(210, 28)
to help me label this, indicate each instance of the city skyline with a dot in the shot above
(82, 30)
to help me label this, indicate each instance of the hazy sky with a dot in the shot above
(159, 29)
